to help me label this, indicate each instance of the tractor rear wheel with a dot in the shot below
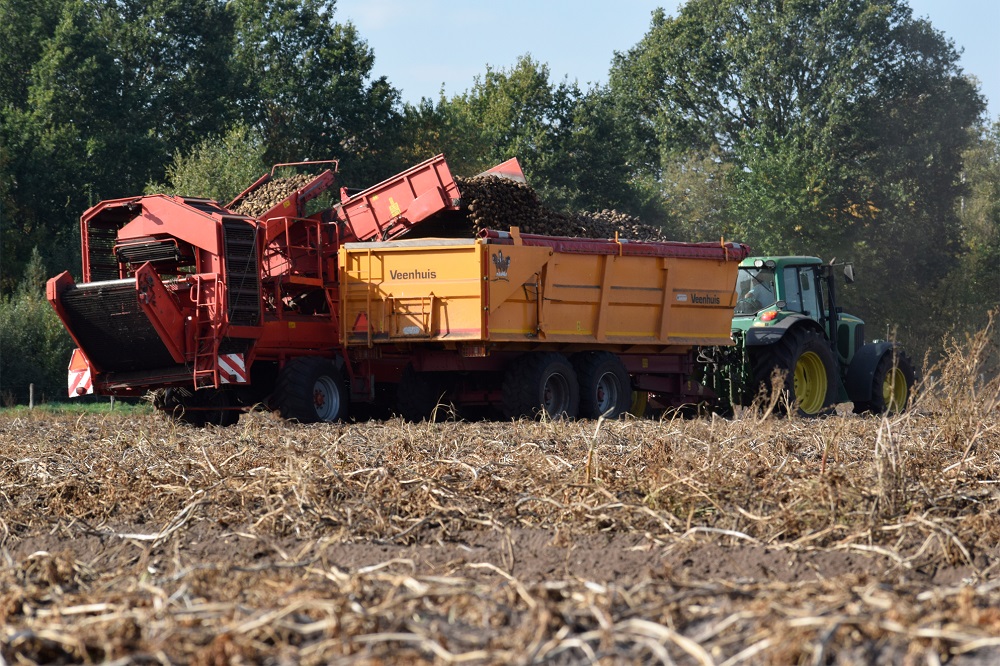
(810, 371)
(310, 390)
(605, 387)
(538, 383)
(892, 385)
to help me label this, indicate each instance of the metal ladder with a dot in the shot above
(206, 342)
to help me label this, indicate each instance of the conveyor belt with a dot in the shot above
(112, 331)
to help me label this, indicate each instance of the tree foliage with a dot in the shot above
(566, 139)
(34, 346)
(97, 96)
(842, 123)
(217, 168)
(308, 87)
(974, 282)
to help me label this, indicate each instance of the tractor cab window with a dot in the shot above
(754, 290)
(801, 291)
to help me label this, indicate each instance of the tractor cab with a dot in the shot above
(783, 286)
(775, 292)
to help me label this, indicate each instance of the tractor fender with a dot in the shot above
(861, 371)
(757, 336)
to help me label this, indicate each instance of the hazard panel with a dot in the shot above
(233, 369)
(79, 381)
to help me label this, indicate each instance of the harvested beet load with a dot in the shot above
(493, 202)
(271, 193)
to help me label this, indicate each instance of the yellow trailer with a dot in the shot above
(634, 308)
(528, 290)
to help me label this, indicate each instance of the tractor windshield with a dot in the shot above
(754, 290)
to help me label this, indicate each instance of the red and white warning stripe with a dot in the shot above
(79, 381)
(232, 369)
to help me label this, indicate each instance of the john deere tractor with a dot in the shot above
(791, 336)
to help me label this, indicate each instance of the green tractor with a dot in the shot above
(790, 334)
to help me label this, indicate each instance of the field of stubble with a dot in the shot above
(759, 540)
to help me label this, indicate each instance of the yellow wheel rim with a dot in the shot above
(639, 401)
(894, 390)
(810, 383)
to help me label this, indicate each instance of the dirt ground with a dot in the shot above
(135, 540)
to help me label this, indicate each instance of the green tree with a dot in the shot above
(217, 168)
(34, 346)
(307, 87)
(24, 27)
(99, 98)
(444, 127)
(521, 114)
(565, 139)
(842, 122)
(972, 287)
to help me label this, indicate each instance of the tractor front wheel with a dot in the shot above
(805, 361)
(892, 385)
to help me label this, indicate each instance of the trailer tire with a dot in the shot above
(538, 383)
(892, 385)
(311, 390)
(810, 371)
(418, 397)
(605, 387)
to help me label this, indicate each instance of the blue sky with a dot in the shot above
(422, 45)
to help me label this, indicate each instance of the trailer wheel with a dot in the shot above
(311, 389)
(892, 384)
(418, 396)
(605, 387)
(810, 371)
(540, 382)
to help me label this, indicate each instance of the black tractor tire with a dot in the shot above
(605, 387)
(805, 359)
(540, 383)
(311, 390)
(420, 397)
(892, 385)
(207, 406)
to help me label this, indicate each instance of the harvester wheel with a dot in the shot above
(419, 397)
(810, 371)
(892, 384)
(198, 408)
(311, 389)
(540, 382)
(605, 387)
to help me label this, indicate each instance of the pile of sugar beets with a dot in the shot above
(491, 202)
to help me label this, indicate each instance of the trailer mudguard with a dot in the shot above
(861, 372)
(757, 336)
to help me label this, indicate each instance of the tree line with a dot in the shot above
(839, 129)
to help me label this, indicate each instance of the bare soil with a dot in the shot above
(762, 541)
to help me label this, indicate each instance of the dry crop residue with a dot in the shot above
(837, 541)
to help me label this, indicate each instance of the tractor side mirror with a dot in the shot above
(849, 273)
